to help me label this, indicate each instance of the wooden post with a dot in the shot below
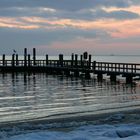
(46, 59)
(72, 59)
(76, 73)
(119, 67)
(29, 62)
(94, 65)
(129, 79)
(17, 60)
(25, 57)
(108, 67)
(3, 59)
(34, 56)
(135, 69)
(131, 68)
(111, 67)
(101, 66)
(67, 72)
(100, 76)
(81, 58)
(115, 67)
(113, 77)
(61, 60)
(76, 60)
(123, 67)
(89, 61)
(87, 75)
(105, 66)
(13, 60)
(85, 54)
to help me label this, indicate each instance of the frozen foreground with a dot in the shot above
(118, 130)
(90, 132)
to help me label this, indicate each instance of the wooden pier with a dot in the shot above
(77, 65)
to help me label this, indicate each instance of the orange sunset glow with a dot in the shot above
(101, 23)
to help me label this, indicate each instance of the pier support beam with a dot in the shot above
(25, 57)
(81, 60)
(87, 75)
(76, 74)
(47, 59)
(61, 60)
(94, 65)
(29, 62)
(76, 60)
(100, 76)
(89, 61)
(34, 56)
(16, 59)
(72, 59)
(129, 79)
(67, 73)
(3, 59)
(113, 77)
(13, 60)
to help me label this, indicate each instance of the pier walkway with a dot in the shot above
(82, 65)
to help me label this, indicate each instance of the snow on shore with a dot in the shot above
(87, 132)
(118, 130)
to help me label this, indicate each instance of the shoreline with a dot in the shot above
(116, 116)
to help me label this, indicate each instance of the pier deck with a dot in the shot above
(77, 66)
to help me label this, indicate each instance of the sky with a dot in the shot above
(67, 26)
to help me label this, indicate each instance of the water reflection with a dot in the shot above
(29, 95)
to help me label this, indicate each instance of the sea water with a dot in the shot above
(25, 97)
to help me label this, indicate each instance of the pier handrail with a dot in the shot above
(117, 67)
(64, 63)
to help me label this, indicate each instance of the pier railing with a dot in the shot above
(77, 65)
(117, 67)
(44, 63)
(93, 66)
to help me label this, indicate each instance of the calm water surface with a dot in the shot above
(24, 96)
(34, 96)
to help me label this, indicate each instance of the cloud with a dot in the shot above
(31, 23)
(121, 14)
(113, 27)
(70, 5)
(70, 9)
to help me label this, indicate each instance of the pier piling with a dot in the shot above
(113, 77)
(72, 60)
(89, 61)
(29, 61)
(16, 59)
(61, 60)
(100, 76)
(76, 60)
(34, 56)
(25, 57)
(3, 59)
(46, 59)
(13, 60)
(129, 79)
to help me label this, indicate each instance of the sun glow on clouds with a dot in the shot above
(134, 9)
(116, 28)
(15, 23)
